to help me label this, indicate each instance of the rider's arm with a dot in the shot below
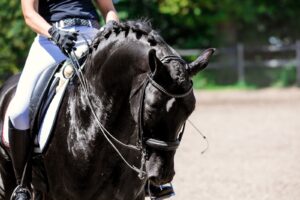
(33, 19)
(108, 10)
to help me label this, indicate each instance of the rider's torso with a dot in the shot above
(56, 10)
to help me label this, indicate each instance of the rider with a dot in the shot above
(61, 26)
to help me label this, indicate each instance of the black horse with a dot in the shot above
(120, 121)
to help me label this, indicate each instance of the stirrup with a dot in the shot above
(160, 192)
(21, 193)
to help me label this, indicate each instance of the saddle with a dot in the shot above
(46, 100)
(44, 104)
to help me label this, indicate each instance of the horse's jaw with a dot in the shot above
(160, 167)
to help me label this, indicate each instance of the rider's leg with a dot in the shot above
(41, 55)
(20, 145)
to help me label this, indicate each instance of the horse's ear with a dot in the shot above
(154, 62)
(200, 63)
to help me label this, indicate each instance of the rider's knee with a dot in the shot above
(19, 116)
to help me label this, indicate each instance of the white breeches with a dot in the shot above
(43, 53)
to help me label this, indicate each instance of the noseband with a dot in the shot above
(152, 142)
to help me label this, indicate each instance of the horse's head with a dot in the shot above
(166, 101)
(160, 88)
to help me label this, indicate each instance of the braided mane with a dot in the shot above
(139, 28)
(134, 33)
(139, 31)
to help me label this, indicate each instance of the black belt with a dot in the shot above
(77, 22)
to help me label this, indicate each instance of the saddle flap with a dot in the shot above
(40, 93)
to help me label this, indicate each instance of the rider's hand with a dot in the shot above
(65, 40)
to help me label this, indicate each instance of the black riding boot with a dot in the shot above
(19, 141)
(159, 192)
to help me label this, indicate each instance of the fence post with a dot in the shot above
(240, 63)
(298, 62)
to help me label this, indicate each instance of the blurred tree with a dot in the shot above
(15, 38)
(278, 19)
(183, 23)
(195, 23)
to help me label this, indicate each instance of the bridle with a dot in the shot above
(143, 143)
(152, 142)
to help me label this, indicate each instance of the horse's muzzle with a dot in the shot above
(160, 167)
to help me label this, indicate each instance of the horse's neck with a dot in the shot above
(107, 105)
(109, 80)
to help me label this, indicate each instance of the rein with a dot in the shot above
(142, 142)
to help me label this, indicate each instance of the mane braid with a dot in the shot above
(139, 28)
